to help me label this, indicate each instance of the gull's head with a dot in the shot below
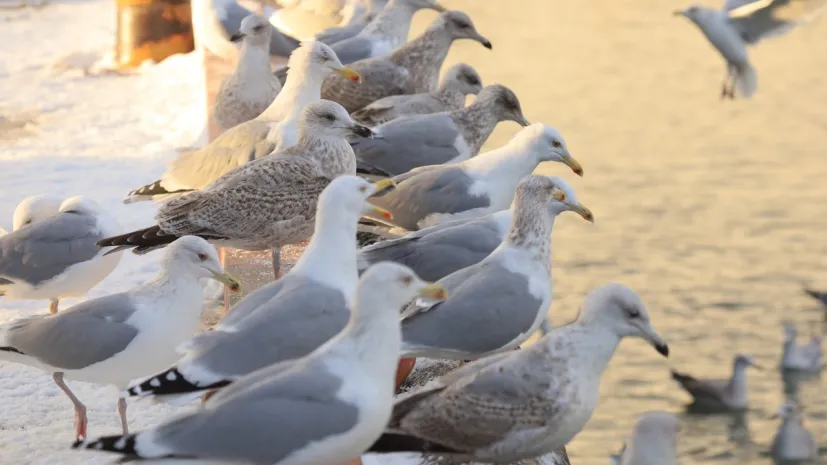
(743, 361)
(347, 197)
(619, 309)
(197, 257)
(504, 102)
(460, 26)
(319, 59)
(536, 189)
(464, 78)
(81, 205)
(425, 5)
(657, 424)
(569, 203)
(254, 30)
(789, 330)
(692, 12)
(548, 144)
(788, 411)
(33, 209)
(395, 285)
(326, 119)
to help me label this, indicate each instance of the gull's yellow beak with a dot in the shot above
(229, 280)
(434, 291)
(569, 161)
(383, 185)
(558, 195)
(439, 8)
(380, 211)
(350, 74)
(581, 210)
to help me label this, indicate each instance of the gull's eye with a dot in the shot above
(556, 143)
(472, 80)
(329, 117)
(29, 221)
(258, 28)
(407, 280)
(202, 256)
(363, 188)
(633, 313)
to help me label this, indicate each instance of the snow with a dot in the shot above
(67, 129)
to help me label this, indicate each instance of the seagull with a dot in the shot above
(458, 82)
(437, 251)
(251, 87)
(805, 357)
(119, 337)
(34, 209)
(327, 407)
(653, 441)
(272, 131)
(306, 18)
(792, 442)
(284, 320)
(719, 394)
(56, 256)
(526, 403)
(363, 13)
(746, 22)
(475, 187)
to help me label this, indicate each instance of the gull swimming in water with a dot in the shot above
(56, 256)
(653, 441)
(327, 407)
(719, 394)
(806, 357)
(792, 442)
(746, 22)
(119, 337)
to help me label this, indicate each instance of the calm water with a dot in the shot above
(714, 211)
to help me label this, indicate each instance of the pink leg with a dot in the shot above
(53, 306)
(80, 409)
(122, 413)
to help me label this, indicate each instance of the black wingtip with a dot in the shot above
(390, 443)
(124, 445)
(170, 382)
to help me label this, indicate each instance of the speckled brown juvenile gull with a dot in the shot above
(273, 130)
(251, 87)
(458, 82)
(264, 204)
(524, 404)
(412, 69)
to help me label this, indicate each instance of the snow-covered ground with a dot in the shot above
(65, 133)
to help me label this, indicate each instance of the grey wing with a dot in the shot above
(758, 19)
(85, 334)
(251, 302)
(300, 404)
(410, 142)
(488, 308)
(395, 106)
(439, 191)
(380, 78)
(230, 14)
(336, 34)
(703, 390)
(353, 49)
(44, 250)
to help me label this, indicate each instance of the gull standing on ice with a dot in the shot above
(56, 256)
(326, 408)
(719, 394)
(497, 304)
(272, 131)
(458, 82)
(119, 337)
(412, 69)
(251, 87)
(653, 441)
(805, 357)
(265, 204)
(527, 403)
(472, 188)
(746, 22)
(793, 442)
(437, 251)
(284, 320)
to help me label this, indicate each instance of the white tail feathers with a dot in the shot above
(746, 80)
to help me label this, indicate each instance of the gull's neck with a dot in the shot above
(476, 122)
(507, 164)
(450, 97)
(333, 154)
(303, 87)
(531, 231)
(176, 283)
(738, 384)
(423, 58)
(592, 346)
(392, 23)
(330, 257)
(253, 63)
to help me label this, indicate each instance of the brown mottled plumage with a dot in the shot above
(412, 69)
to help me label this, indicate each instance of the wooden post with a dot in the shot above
(152, 30)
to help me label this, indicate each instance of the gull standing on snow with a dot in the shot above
(653, 441)
(265, 204)
(326, 408)
(272, 131)
(251, 87)
(284, 320)
(412, 69)
(472, 188)
(119, 337)
(719, 394)
(746, 22)
(437, 251)
(793, 442)
(497, 304)
(805, 357)
(527, 403)
(458, 82)
(56, 257)
(440, 138)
